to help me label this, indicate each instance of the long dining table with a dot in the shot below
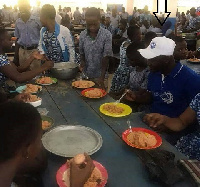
(123, 163)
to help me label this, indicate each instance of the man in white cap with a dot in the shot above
(171, 85)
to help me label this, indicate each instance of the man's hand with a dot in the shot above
(130, 96)
(78, 176)
(38, 56)
(155, 120)
(100, 82)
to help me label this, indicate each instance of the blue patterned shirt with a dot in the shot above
(54, 51)
(190, 144)
(94, 50)
(3, 62)
(28, 33)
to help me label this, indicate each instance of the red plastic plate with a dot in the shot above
(63, 168)
(127, 132)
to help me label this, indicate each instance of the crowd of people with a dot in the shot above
(149, 71)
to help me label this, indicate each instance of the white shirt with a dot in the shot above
(115, 21)
(58, 18)
(154, 29)
(124, 15)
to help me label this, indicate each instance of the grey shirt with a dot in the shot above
(94, 50)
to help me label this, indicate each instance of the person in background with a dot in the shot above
(180, 51)
(36, 10)
(102, 13)
(9, 70)
(69, 13)
(138, 77)
(189, 144)
(66, 22)
(124, 15)
(114, 19)
(148, 38)
(120, 78)
(108, 12)
(6, 13)
(144, 27)
(15, 14)
(166, 31)
(24, 151)
(55, 40)
(77, 15)
(109, 27)
(27, 31)
(95, 46)
(155, 26)
(120, 37)
(194, 20)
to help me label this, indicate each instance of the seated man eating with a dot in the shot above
(171, 86)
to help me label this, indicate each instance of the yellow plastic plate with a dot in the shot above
(126, 112)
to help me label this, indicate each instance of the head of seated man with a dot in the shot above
(180, 51)
(160, 55)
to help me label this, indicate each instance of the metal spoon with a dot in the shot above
(118, 101)
(129, 125)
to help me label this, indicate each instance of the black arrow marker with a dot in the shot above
(168, 13)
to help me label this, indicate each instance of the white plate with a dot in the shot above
(36, 103)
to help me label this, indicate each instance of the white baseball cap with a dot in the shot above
(158, 46)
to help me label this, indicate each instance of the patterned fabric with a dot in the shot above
(3, 62)
(193, 22)
(121, 76)
(190, 144)
(111, 29)
(94, 50)
(28, 33)
(54, 51)
(138, 80)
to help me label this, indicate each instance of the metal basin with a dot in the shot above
(65, 70)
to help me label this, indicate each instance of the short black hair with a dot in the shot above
(177, 39)
(93, 12)
(132, 30)
(20, 124)
(149, 36)
(48, 11)
(2, 33)
(132, 49)
(123, 22)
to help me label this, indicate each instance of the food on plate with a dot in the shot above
(194, 60)
(13, 38)
(45, 124)
(79, 159)
(113, 108)
(83, 84)
(142, 139)
(30, 88)
(94, 93)
(31, 98)
(95, 178)
(45, 80)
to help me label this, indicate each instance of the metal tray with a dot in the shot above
(68, 141)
